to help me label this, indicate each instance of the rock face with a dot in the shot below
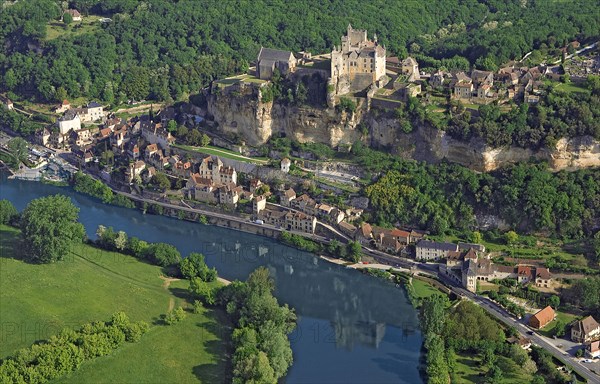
(241, 112)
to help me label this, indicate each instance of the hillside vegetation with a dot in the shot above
(166, 49)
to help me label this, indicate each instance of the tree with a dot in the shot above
(160, 180)
(67, 18)
(195, 266)
(136, 83)
(476, 237)
(205, 140)
(18, 148)
(172, 126)
(511, 237)
(8, 212)
(163, 254)
(121, 241)
(353, 251)
(136, 247)
(60, 94)
(554, 301)
(49, 228)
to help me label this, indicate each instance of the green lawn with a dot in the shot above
(570, 88)
(423, 290)
(191, 351)
(57, 28)
(225, 153)
(37, 301)
(468, 368)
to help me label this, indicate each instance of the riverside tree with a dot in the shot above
(49, 228)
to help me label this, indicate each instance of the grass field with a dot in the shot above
(423, 290)
(37, 301)
(88, 24)
(570, 88)
(225, 153)
(469, 368)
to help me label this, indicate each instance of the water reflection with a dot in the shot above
(352, 328)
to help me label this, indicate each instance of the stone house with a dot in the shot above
(259, 204)
(347, 228)
(214, 169)
(586, 330)
(364, 234)
(433, 250)
(63, 107)
(410, 68)
(285, 165)
(542, 318)
(287, 197)
(270, 59)
(254, 184)
(336, 215)
(74, 14)
(593, 350)
(156, 134)
(543, 277)
(229, 194)
(201, 189)
(304, 203)
(298, 221)
(183, 169)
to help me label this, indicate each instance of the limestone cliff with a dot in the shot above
(241, 112)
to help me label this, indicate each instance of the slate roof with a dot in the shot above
(437, 245)
(273, 54)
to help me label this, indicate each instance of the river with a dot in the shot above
(352, 328)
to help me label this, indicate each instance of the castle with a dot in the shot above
(358, 63)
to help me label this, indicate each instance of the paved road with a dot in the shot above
(423, 268)
(582, 368)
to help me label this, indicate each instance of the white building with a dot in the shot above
(285, 165)
(69, 121)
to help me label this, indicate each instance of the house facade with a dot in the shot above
(585, 330)
(270, 59)
(433, 250)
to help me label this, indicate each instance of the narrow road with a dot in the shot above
(538, 340)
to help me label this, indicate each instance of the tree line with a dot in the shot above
(68, 350)
(447, 196)
(167, 49)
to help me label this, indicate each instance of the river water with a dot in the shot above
(352, 328)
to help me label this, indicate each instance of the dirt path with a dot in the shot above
(166, 283)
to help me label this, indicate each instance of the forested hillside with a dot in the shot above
(165, 49)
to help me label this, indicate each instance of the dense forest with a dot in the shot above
(167, 49)
(443, 196)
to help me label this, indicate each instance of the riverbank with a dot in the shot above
(346, 320)
(91, 284)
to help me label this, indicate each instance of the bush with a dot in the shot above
(174, 316)
(8, 212)
(347, 105)
(163, 254)
(65, 352)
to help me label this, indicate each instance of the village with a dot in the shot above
(140, 156)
